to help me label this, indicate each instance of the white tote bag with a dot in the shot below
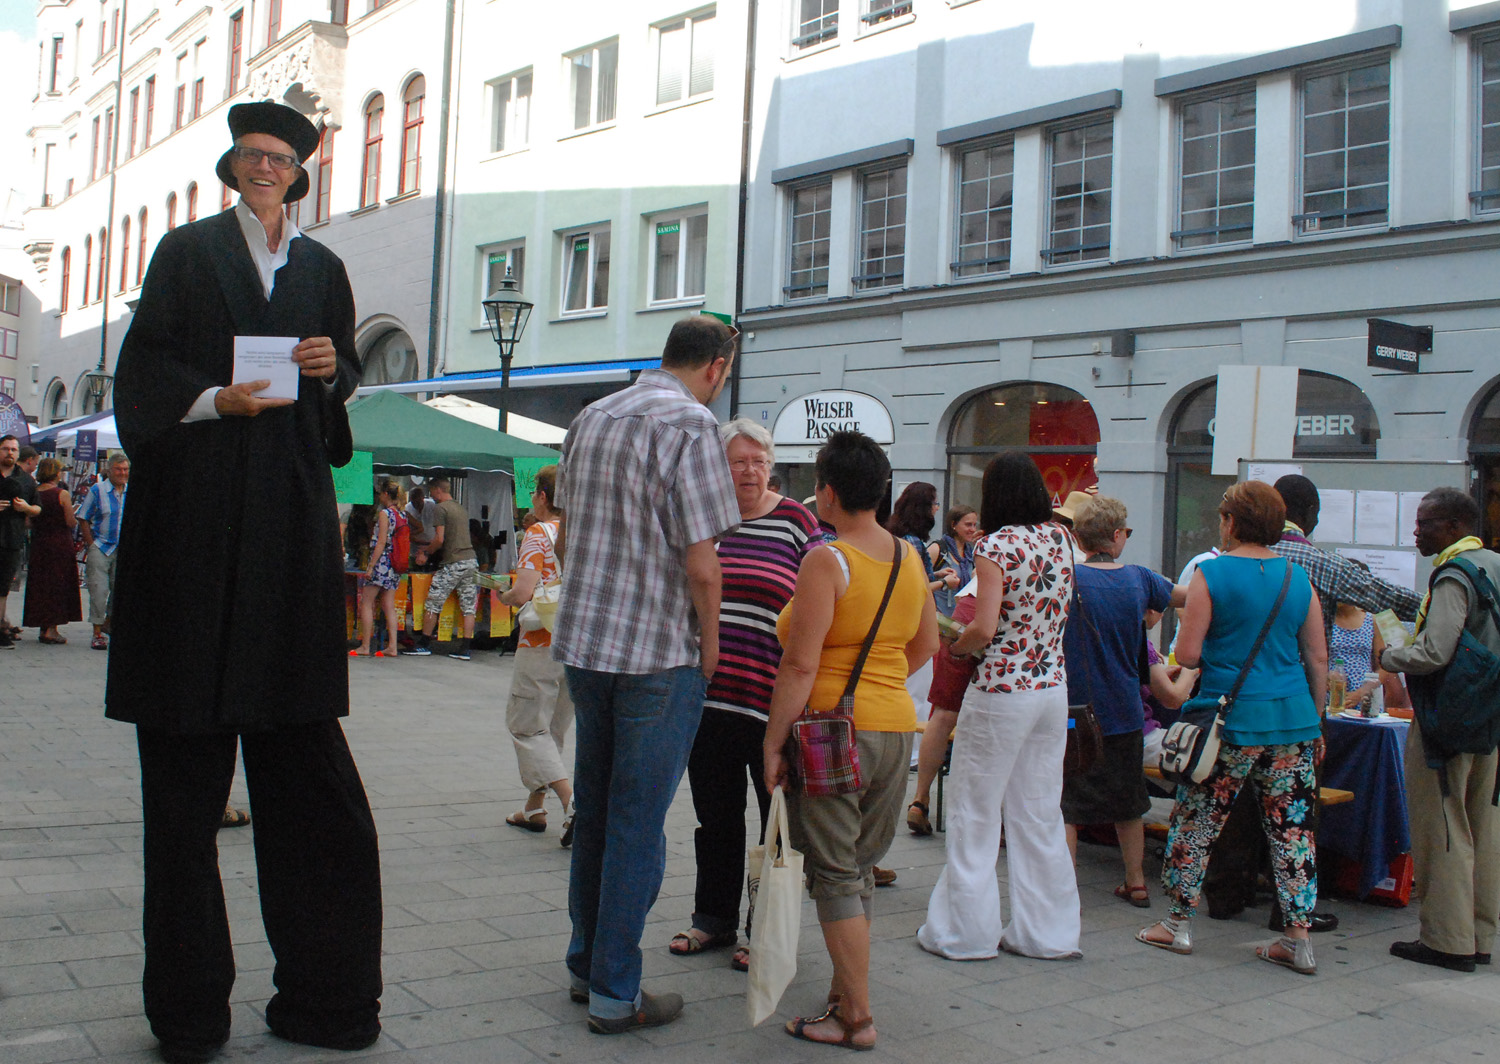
(776, 886)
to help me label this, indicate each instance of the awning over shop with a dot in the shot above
(523, 427)
(525, 377)
(65, 433)
(407, 437)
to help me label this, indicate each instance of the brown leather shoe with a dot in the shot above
(884, 877)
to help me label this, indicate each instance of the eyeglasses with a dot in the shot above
(741, 465)
(253, 156)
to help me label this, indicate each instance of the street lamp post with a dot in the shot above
(506, 312)
(98, 383)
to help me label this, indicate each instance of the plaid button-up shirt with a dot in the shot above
(1337, 579)
(643, 476)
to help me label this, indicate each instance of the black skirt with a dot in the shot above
(1114, 789)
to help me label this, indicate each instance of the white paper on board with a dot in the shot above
(1335, 517)
(1271, 472)
(1406, 522)
(258, 358)
(1375, 518)
(1399, 567)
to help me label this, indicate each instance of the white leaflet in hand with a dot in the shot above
(262, 358)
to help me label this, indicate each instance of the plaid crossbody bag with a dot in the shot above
(821, 755)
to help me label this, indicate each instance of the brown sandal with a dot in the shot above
(798, 1029)
(917, 820)
(1139, 896)
(685, 942)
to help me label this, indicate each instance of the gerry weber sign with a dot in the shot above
(808, 420)
(1396, 346)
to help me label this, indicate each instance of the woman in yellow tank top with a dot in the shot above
(839, 588)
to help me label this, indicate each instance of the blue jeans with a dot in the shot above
(634, 734)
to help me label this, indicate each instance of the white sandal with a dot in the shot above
(530, 819)
(1182, 935)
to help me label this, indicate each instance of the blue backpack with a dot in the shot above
(1458, 707)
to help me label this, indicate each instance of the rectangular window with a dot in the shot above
(107, 160)
(1216, 165)
(197, 97)
(496, 261)
(323, 192)
(986, 188)
(103, 27)
(236, 50)
(512, 113)
(1486, 194)
(273, 22)
(54, 75)
(1082, 166)
(369, 184)
(150, 112)
(339, 12)
(882, 228)
(135, 117)
(178, 112)
(8, 386)
(1346, 148)
(877, 11)
(10, 297)
(685, 59)
(592, 75)
(586, 270)
(814, 21)
(94, 152)
(811, 228)
(679, 260)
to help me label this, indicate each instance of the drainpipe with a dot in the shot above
(439, 211)
(753, 7)
(105, 263)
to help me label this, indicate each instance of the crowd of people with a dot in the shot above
(685, 617)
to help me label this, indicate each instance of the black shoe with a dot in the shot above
(1481, 958)
(188, 1053)
(1320, 921)
(420, 650)
(1424, 954)
(347, 1029)
(654, 1010)
(578, 997)
(460, 652)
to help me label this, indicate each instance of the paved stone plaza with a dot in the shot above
(476, 922)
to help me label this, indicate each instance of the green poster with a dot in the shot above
(356, 481)
(526, 470)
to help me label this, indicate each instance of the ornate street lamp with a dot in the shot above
(98, 383)
(506, 313)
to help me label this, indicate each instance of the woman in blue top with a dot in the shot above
(1273, 732)
(956, 551)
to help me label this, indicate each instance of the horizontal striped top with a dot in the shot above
(760, 560)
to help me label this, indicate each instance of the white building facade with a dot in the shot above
(129, 119)
(1000, 225)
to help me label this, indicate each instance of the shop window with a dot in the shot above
(1334, 420)
(1054, 425)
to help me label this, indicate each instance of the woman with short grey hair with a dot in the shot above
(759, 561)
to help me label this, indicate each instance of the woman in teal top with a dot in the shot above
(1272, 732)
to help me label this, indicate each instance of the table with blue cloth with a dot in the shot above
(1366, 757)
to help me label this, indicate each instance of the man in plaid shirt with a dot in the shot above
(647, 491)
(1335, 578)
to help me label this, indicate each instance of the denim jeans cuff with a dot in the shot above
(608, 1008)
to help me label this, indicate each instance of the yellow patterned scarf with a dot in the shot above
(1447, 554)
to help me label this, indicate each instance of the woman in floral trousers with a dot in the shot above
(1272, 734)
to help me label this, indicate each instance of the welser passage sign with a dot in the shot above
(812, 418)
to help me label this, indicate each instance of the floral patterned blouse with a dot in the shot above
(1026, 654)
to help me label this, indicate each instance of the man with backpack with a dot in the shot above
(1451, 787)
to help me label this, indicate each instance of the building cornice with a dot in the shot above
(194, 21)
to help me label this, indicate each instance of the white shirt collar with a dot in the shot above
(266, 261)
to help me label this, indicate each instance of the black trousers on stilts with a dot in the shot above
(318, 869)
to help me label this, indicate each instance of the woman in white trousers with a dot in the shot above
(1008, 747)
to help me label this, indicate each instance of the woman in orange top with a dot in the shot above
(839, 588)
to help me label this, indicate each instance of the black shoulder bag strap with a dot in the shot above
(1227, 701)
(864, 651)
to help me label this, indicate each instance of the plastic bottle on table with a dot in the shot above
(1376, 705)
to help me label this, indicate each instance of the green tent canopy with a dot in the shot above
(406, 436)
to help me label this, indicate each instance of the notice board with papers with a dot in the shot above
(1369, 508)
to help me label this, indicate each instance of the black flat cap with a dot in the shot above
(279, 121)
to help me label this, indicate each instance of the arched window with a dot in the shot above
(88, 271)
(369, 183)
(67, 271)
(192, 202)
(103, 264)
(171, 211)
(124, 252)
(140, 255)
(411, 134)
(323, 189)
(57, 397)
(1054, 425)
(1484, 453)
(390, 357)
(1334, 420)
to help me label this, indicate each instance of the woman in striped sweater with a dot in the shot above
(759, 561)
